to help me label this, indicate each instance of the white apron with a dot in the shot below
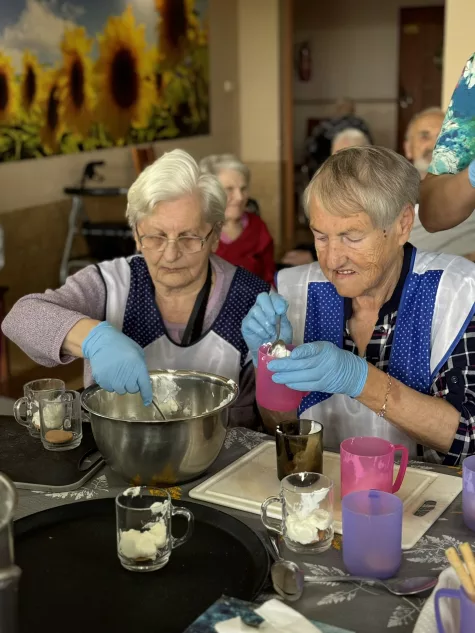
(437, 303)
(131, 308)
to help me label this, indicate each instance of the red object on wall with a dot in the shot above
(304, 62)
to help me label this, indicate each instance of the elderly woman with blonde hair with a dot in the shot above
(245, 239)
(174, 305)
(384, 333)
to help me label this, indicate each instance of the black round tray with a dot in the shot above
(73, 581)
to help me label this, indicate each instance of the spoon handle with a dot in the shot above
(341, 579)
(277, 328)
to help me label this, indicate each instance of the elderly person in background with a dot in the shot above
(349, 137)
(306, 253)
(384, 333)
(421, 137)
(175, 305)
(245, 239)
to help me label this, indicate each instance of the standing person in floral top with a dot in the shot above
(448, 192)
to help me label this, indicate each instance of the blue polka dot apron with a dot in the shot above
(437, 303)
(131, 307)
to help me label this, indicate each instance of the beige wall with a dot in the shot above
(37, 182)
(259, 103)
(354, 54)
(459, 43)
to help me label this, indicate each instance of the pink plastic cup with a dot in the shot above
(367, 463)
(269, 394)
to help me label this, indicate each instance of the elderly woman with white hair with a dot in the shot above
(245, 239)
(175, 305)
(384, 333)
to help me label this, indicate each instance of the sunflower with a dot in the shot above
(125, 95)
(8, 89)
(173, 29)
(52, 128)
(75, 83)
(158, 75)
(30, 82)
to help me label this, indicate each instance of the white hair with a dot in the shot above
(214, 163)
(375, 180)
(174, 175)
(422, 114)
(352, 134)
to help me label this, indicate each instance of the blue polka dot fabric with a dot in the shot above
(323, 322)
(410, 354)
(411, 349)
(143, 322)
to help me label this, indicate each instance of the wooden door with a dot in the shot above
(421, 37)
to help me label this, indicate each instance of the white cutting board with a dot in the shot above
(245, 484)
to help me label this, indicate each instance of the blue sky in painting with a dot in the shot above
(39, 24)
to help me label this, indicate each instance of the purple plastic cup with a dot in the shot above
(372, 533)
(468, 494)
(467, 609)
(270, 394)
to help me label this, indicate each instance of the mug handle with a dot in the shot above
(176, 542)
(274, 525)
(17, 413)
(402, 467)
(443, 593)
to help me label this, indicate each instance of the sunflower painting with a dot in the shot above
(82, 75)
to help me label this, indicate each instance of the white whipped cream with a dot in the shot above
(281, 352)
(135, 544)
(132, 492)
(304, 529)
(52, 416)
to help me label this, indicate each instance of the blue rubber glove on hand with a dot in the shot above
(321, 367)
(258, 327)
(471, 173)
(117, 362)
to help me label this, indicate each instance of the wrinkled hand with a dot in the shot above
(117, 362)
(258, 327)
(321, 367)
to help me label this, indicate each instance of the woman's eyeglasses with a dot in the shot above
(184, 243)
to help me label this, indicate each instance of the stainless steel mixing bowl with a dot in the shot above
(146, 450)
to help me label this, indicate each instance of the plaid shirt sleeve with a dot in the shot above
(456, 383)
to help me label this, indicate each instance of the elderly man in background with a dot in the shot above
(421, 137)
(384, 333)
(350, 137)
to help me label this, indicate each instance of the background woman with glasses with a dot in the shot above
(174, 305)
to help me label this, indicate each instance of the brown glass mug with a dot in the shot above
(299, 445)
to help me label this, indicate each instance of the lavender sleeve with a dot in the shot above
(39, 323)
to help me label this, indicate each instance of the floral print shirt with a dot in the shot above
(455, 147)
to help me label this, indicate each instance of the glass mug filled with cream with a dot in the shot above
(45, 388)
(144, 528)
(307, 512)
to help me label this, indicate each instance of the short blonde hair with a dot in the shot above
(375, 180)
(214, 163)
(174, 175)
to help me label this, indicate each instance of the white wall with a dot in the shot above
(355, 54)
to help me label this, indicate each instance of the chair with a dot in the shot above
(142, 157)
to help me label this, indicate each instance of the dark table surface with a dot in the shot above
(356, 607)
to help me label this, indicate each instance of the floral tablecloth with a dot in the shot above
(356, 607)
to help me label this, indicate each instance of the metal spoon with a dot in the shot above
(278, 347)
(288, 579)
(155, 404)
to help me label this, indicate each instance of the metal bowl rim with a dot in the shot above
(174, 372)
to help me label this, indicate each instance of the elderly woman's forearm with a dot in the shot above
(446, 201)
(72, 344)
(431, 421)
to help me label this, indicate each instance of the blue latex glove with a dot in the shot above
(321, 367)
(117, 362)
(471, 173)
(258, 327)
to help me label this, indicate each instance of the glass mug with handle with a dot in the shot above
(307, 512)
(60, 420)
(144, 528)
(33, 392)
(367, 463)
